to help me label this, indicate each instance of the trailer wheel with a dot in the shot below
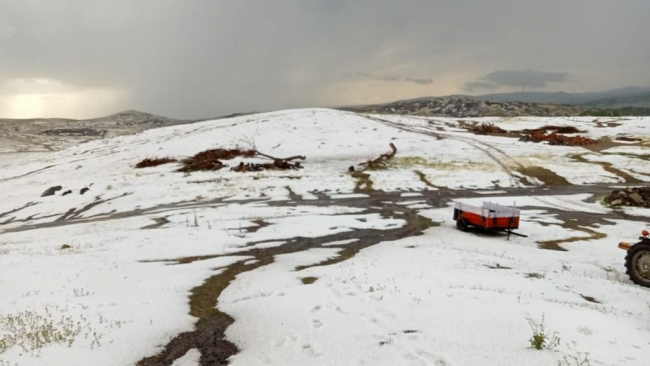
(462, 225)
(637, 263)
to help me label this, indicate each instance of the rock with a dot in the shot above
(84, 190)
(636, 198)
(65, 246)
(66, 193)
(351, 169)
(51, 191)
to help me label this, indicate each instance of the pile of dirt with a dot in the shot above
(146, 163)
(211, 159)
(637, 197)
(557, 139)
(486, 128)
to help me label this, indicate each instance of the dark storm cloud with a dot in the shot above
(525, 79)
(199, 58)
(370, 76)
(421, 81)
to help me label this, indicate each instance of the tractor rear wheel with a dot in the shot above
(637, 263)
(461, 224)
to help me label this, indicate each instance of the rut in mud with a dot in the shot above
(424, 179)
(546, 176)
(208, 335)
(437, 198)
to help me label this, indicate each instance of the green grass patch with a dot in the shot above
(309, 280)
(418, 161)
(535, 275)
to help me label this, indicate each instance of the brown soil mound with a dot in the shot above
(146, 163)
(637, 197)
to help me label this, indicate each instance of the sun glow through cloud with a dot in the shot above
(45, 98)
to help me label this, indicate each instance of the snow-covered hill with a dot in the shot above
(53, 134)
(318, 266)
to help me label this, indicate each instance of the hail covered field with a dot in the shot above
(320, 265)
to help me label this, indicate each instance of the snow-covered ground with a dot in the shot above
(302, 294)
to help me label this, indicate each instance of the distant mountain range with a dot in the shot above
(462, 107)
(615, 98)
(50, 134)
(615, 102)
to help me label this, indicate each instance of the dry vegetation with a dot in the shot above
(486, 128)
(555, 138)
(146, 163)
(212, 160)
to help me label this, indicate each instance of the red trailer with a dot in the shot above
(490, 216)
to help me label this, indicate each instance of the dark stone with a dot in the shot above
(351, 169)
(84, 190)
(51, 191)
(66, 193)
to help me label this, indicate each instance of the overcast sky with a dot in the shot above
(204, 58)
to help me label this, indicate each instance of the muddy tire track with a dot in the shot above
(437, 198)
(7, 213)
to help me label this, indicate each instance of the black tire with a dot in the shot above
(637, 264)
(462, 225)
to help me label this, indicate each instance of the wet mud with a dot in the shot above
(208, 335)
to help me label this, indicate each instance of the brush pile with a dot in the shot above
(278, 164)
(557, 139)
(635, 197)
(486, 128)
(146, 163)
(380, 162)
(559, 129)
(211, 160)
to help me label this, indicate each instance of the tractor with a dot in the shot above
(637, 260)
